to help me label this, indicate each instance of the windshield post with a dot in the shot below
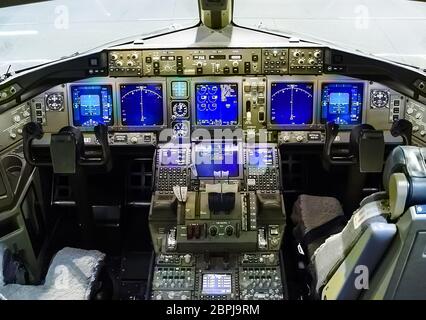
(216, 14)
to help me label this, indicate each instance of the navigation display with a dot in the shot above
(216, 104)
(342, 102)
(91, 105)
(217, 160)
(292, 103)
(217, 284)
(142, 104)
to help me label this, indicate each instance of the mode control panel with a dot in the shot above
(217, 61)
(201, 62)
(305, 61)
(125, 63)
(275, 61)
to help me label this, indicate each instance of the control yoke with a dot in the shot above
(331, 131)
(67, 148)
(404, 129)
(366, 148)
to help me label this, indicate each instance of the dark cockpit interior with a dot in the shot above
(215, 162)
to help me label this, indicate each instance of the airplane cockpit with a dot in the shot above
(213, 162)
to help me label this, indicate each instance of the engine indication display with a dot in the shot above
(142, 104)
(216, 104)
(91, 105)
(342, 102)
(291, 103)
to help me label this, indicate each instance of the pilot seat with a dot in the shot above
(336, 249)
(73, 275)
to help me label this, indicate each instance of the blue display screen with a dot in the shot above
(291, 103)
(216, 104)
(91, 105)
(342, 103)
(217, 160)
(142, 104)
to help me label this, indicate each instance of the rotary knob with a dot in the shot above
(229, 230)
(296, 54)
(416, 128)
(317, 54)
(134, 140)
(423, 133)
(134, 56)
(130, 63)
(119, 63)
(410, 110)
(286, 138)
(301, 61)
(299, 138)
(213, 231)
(311, 61)
(16, 118)
(114, 56)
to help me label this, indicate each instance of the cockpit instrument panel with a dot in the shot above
(291, 103)
(92, 105)
(216, 104)
(142, 104)
(342, 102)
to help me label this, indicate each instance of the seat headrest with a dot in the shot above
(404, 178)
